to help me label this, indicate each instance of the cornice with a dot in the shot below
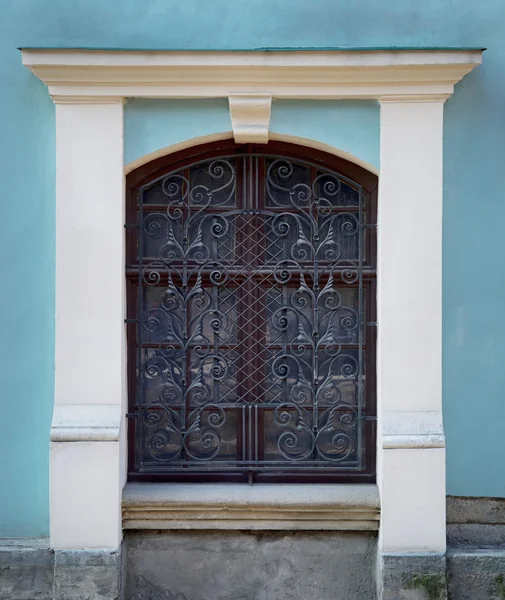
(297, 74)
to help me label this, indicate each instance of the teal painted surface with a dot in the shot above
(26, 293)
(349, 126)
(474, 251)
(151, 125)
(474, 281)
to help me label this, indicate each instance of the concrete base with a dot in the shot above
(86, 575)
(267, 565)
(236, 565)
(463, 574)
(475, 522)
(30, 570)
(476, 574)
(26, 570)
(413, 577)
(476, 548)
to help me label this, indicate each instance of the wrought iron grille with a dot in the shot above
(252, 303)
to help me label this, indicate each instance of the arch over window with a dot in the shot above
(251, 316)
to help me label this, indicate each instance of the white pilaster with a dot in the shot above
(411, 446)
(87, 462)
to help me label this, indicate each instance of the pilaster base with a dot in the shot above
(87, 574)
(413, 577)
(30, 570)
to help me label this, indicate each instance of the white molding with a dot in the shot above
(83, 99)
(324, 91)
(155, 59)
(258, 507)
(414, 98)
(250, 117)
(86, 423)
(297, 74)
(420, 441)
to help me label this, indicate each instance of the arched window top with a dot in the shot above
(147, 173)
(251, 301)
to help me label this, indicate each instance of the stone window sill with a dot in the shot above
(258, 507)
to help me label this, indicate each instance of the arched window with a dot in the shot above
(251, 316)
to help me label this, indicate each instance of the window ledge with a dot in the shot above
(258, 507)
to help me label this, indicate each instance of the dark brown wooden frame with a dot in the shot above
(171, 162)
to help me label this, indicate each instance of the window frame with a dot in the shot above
(145, 174)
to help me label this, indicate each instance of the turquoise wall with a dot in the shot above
(474, 154)
(353, 127)
(151, 125)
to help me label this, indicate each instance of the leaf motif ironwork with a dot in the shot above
(259, 313)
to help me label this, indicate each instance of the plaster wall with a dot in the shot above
(474, 154)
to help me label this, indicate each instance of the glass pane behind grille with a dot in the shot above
(251, 346)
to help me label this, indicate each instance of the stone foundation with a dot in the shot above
(412, 577)
(267, 565)
(238, 565)
(86, 575)
(30, 570)
(476, 574)
(26, 570)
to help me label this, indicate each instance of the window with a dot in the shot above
(251, 316)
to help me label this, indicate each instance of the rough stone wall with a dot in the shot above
(30, 570)
(250, 566)
(234, 565)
